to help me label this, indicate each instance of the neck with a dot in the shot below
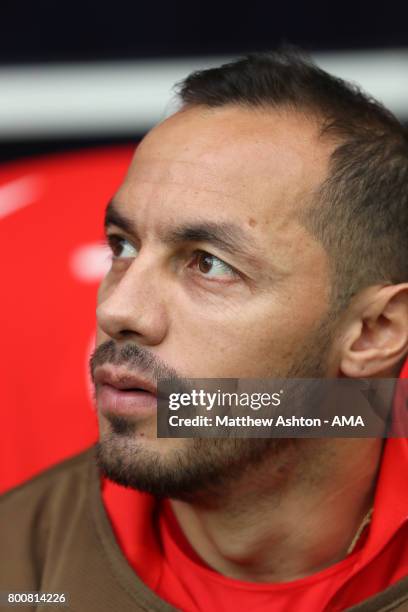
(287, 520)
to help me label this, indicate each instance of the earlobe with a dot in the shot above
(376, 340)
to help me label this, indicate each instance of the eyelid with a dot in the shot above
(115, 234)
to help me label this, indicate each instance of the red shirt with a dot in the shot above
(158, 551)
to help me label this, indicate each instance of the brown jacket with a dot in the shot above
(55, 537)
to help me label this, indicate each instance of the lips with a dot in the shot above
(121, 392)
(121, 378)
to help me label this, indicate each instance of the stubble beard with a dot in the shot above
(201, 468)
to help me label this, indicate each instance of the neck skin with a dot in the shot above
(289, 518)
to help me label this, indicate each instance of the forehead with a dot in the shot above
(254, 161)
(255, 168)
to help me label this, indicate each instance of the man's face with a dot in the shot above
(214, 277)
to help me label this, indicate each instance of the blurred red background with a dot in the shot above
(51, 222)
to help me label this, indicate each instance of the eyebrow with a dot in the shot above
(227, 236)
(114, 217)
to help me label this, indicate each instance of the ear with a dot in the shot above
(376, 336)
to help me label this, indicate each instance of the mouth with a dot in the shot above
(122, 379)
(121, 392)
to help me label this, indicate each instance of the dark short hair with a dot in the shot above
(360, 212)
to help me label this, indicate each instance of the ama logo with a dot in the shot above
(348, 421)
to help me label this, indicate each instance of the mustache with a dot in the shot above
(134, 357)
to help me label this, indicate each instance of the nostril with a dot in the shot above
(126, 333)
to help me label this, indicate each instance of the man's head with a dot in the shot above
(260, 233)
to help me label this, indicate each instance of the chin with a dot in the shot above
(188, 469)
(148, 464)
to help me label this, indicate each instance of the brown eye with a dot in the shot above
(212, 266)
(205, 262)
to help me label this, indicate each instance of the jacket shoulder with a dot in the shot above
(56, 477)
(34, 517)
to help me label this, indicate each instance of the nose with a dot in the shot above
(133, 307)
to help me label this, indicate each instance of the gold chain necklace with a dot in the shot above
(366, 521)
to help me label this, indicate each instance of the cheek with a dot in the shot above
(105, 288)
(100, 336)
(102, 295)
(263, 337)
(240, 347)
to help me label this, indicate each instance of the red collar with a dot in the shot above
(391, 499)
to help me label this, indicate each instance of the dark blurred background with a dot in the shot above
(75, 74)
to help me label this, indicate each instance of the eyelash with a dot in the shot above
(113, 241)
